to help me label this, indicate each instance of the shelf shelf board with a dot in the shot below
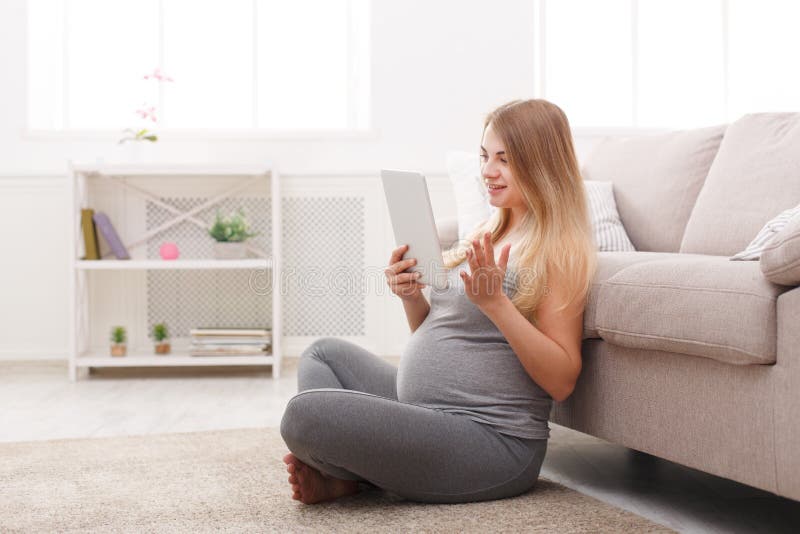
(174, 359)
(98, 265)
(177, 169)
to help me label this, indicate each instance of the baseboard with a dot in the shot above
(30, 355)
(292, 348)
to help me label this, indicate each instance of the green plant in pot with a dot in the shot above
(161, 338)
(118, 338)
(229, 235)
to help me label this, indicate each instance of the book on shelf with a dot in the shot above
(231, 348)
(110, 235)
(262, 350)
(230, 331)
(212, 340)
(230, 341)
(90, 245)
(200, 354)
(226, 351)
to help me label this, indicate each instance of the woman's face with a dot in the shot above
(496, 172)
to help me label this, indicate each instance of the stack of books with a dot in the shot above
(230, 341)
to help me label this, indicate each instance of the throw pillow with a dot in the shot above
(756, 247)
(472, 200)
(473, 207)
(780, 260)
(609, 233)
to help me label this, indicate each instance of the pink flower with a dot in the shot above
(158, 75)
(147, 112)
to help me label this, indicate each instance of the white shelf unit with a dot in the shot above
(122, 178)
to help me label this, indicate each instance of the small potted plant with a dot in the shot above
(229, 234)
(118, 336)
(161, 337)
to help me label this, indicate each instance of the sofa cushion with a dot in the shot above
(609, 264)
(697, 305)
(656, 181)
(755, 175)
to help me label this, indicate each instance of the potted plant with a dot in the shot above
(229, 234)
(118, 336)
(161, 337)
(138, 143)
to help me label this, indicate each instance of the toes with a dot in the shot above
(291, 459)
(292, 463)
(293, 479)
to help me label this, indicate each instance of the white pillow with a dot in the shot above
(472, 200)
(756, 247)
(473, 207)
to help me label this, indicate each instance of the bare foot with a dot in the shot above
(309, 486)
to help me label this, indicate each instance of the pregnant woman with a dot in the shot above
(465, 416)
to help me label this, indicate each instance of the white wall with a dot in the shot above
(437, 69)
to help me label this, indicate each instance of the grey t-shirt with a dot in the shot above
(458, 361)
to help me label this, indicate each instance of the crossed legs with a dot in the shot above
(347, 423)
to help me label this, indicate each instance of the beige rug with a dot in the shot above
(235, 481)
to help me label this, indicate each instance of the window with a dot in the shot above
(667, 63)
(262, 65)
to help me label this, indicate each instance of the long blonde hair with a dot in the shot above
(556, 231)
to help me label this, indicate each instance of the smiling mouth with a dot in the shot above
(496, 187)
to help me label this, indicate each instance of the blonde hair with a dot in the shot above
(556, 231)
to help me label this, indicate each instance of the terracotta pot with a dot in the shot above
(118, 349)
(162, 348)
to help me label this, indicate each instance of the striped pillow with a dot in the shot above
(773, 226)
(609, 233)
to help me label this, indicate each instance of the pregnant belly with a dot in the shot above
(448, 371)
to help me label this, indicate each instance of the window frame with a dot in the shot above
(359, 115)
(540, 59)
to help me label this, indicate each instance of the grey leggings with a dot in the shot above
(346, 422)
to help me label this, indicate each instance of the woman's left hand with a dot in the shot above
(484, 286)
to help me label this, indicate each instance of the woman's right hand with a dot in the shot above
(404, 285)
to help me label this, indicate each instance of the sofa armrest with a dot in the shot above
(447, 228)
(787, 396)
(788, 315)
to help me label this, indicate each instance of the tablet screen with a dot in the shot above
(413, 224)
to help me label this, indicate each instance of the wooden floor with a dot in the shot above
(39, 403)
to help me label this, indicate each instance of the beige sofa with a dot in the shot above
(688, 355)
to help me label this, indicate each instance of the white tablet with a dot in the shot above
(413, 224)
